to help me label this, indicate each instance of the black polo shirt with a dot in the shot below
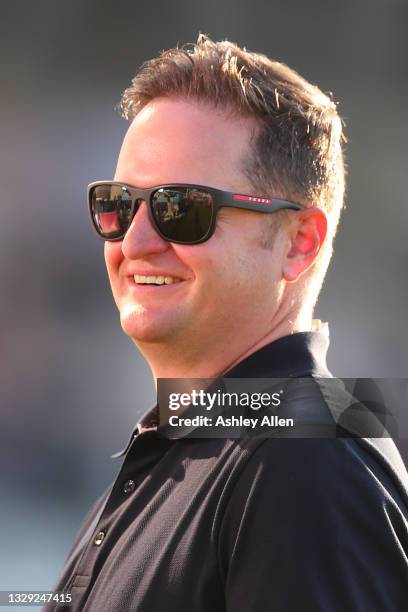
(252, 524)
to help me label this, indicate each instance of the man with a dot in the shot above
(218, 231)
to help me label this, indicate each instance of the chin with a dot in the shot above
(141, 326)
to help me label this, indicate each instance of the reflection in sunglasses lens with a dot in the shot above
(111, 210)
(182, 214)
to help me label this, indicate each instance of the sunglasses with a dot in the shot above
(184, 214)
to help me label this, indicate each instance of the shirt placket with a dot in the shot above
(143, 452)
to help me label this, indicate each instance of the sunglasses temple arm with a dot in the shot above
(260, 207)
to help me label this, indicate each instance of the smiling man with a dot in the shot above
(218, 230)
(179, 324)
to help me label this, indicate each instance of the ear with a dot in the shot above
(306, 237)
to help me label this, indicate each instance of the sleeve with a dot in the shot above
(314, 525)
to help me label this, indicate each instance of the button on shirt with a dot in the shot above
(247, 525)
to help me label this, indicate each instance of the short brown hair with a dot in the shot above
(297, 152)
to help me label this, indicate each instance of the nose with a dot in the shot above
(141, 239)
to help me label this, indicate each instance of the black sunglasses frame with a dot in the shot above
(220, 199)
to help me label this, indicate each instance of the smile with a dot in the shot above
(155, 280)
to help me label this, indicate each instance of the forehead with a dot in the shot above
(175, 140)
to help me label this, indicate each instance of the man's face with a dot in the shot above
(227, 288)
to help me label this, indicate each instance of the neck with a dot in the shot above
(209, 357)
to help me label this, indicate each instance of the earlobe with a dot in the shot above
(308, 235)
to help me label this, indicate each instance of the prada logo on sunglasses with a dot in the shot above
(242, 198)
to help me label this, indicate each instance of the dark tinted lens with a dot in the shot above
(111, 210)
(183, 214)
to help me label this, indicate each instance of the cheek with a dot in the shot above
(113, 257)
(196, 257)
(214, 264)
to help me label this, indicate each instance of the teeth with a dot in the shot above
(155, 280)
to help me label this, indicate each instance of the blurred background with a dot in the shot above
(72, 385)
